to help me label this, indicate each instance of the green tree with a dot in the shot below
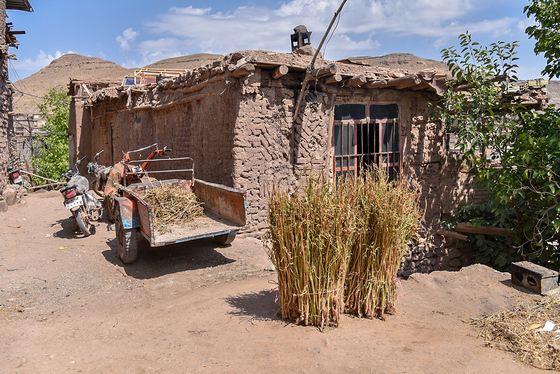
(546, 33)
(515, 154)
(52, 156)
(476, 105)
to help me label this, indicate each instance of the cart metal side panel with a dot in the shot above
(145, 214)
(224, 207)
(225, 202)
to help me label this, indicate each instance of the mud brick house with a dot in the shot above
(7, 40)
(236, 118)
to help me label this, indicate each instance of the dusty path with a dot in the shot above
(68, 305)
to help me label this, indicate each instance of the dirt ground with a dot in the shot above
(67, 304)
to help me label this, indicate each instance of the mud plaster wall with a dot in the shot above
(6, 128)
(241, 133)
(202, 129)
(269, 150)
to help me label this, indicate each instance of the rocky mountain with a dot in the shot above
(185, 62)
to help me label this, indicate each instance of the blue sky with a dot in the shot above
(137, 33)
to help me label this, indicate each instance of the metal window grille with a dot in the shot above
(364, 135)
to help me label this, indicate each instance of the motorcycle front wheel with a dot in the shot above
(82, 220)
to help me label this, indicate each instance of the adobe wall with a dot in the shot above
(202, 128)
(270, 150)
(240, 132)
(5, 102)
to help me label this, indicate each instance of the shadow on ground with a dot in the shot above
(260, 306)
(176, 258)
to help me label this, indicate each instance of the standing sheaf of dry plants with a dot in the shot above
(337, 245)
(309, 235)
(387, 216)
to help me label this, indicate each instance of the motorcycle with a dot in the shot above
(84, 206)
(16, 177)
(100, 172)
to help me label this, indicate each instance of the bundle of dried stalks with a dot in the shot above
(308, 244)
(172, 206)
(520, 331)
(340, 245)
(386, 217)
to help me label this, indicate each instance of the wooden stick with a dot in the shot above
(305, 83)
(323, 71)
(46, 185)
(376, 84)
(468, 228)
(38, 176)
(356, 81)
(452, 234)
(243, 70)
(333, 79)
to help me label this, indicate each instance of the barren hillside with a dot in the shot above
(58, 73)
(185, 62)
(404, 61)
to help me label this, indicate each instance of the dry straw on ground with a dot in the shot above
(520, 331)
(172, 206)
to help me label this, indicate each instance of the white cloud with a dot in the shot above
(190, 11)
(42, 60)
(126, 38)
(190, 30)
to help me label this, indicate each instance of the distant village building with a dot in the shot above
(7, 40)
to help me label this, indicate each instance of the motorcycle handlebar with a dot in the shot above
(97, 155)
(141, 149)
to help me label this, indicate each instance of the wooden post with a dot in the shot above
(280, 71)
(333, 79)
(243, 70)
(305, 83)
(356, 81)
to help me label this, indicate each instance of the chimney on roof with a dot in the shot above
(300, 37)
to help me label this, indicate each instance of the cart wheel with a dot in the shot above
(112, 208)
(127, 242)
(226, 239)
(82, 219)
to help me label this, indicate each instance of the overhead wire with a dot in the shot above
(332, 33)
(19, 80)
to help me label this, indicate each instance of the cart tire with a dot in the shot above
(226, 239)
(112, 208)
(127, 242)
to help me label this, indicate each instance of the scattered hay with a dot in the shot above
(520, 331)
(172, 206)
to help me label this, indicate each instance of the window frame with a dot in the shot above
(393, 159)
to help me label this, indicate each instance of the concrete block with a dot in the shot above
(534, 277)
